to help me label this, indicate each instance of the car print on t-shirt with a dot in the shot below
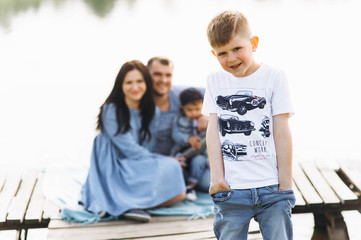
(244, 124)
(265, 127)
(231, 124)
(233, 151)
(241, 102)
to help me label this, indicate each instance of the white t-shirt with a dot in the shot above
(245, 107)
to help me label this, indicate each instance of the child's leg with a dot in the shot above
(232, 213)
(274, 215)
(204, 182)
(198, 165)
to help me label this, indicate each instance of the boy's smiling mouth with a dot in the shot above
(234, 67)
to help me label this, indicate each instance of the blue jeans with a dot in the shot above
(199, 173)
(270, 207)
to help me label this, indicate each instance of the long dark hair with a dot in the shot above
(116, 96)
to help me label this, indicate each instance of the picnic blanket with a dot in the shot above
(62, 186)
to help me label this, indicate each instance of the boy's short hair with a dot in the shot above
(225, 25)
(190, 95)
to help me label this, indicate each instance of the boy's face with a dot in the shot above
(193, 110)
(236, 57)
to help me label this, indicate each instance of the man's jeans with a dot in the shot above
(270, 207)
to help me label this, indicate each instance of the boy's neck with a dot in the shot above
(253, 68)
(162, 102)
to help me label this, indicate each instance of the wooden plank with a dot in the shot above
(199, 236)
(319, 183)
(136, 230)
(127, 229)
(306, 188)
(2, 179)
(255, 236)
(352, 170)
(299, 199)
(57, 223)
(189, 236)
(34, 213)
(6, 195)
(341, 189)
(19, 204)
(51, 211)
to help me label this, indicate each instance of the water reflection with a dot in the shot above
(12, 8)
(102, 8)
(58, 59)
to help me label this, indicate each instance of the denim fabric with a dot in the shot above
(182, 130)
(198, 165)
(123, 174)
(164, 138)
(270, 207)
(204, 183)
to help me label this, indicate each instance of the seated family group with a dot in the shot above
(144, 126)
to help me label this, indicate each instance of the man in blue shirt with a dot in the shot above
(161, 70)
(166, 98)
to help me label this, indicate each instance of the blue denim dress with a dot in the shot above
(123, 174)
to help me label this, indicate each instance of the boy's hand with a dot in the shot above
(219, 186)
(194, 141)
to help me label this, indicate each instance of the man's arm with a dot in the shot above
(218, 182)
(283, 144)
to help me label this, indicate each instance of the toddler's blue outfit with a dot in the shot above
(183, 128)
(124, 175)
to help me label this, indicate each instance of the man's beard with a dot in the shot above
(157, 94)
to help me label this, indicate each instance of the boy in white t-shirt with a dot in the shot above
(248, 137)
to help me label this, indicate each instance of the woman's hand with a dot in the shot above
(219, 186)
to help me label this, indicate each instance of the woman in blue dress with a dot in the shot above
(126, 177)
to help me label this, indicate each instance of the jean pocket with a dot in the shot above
(292, 201)
(222, 196)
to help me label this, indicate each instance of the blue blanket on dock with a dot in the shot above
(62, 186)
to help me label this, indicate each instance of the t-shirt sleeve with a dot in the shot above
(281, 98)
(209, 104)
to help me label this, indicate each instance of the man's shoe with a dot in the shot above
(191, 195)
(137, 215)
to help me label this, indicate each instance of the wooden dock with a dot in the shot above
(320, 189)
(22, 203)
(159, 228)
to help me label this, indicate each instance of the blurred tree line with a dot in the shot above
(12, 8)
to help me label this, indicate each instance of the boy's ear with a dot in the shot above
(254, 41)
(213, 52)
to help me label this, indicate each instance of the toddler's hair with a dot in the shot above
(225, 25)
(190, 95)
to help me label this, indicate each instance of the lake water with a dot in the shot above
(59, 59)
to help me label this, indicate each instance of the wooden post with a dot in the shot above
(329, 226)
